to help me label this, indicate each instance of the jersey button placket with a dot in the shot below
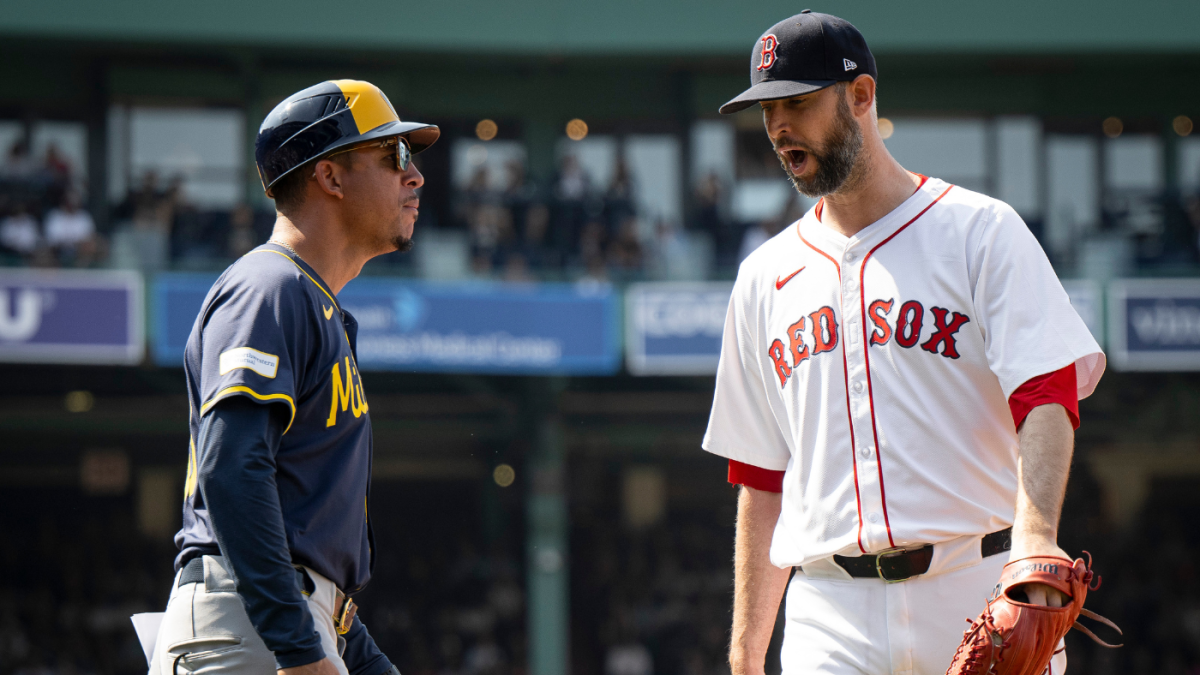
(874, 533)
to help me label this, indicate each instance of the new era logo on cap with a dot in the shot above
(850, 65)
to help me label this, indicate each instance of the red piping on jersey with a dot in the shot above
(862, 295)
(820, 207)
(846, 378)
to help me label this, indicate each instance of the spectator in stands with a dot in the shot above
(625, 253)
(518, 193)
(19, 233)
(592, 241)
(146, 244)
(154, 210)
(58, 166)
(618, 200)
(18, 165)
(573, 184)
(710, 217)
(482, 220)
(71, 232)
(241, 231)
(571, 190)
(536, 224)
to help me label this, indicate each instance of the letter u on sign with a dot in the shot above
(24, 323)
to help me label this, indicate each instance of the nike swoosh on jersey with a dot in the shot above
(328, 311)
(780, 282)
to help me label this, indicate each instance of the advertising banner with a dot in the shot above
(1154, 324)
(675, 328)
(71, 316)
(405, 325)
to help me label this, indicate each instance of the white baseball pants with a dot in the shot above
(844, 626)
(206, 629)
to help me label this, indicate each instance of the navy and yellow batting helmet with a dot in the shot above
(312, 123)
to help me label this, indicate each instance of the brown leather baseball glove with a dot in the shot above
(1013, 637)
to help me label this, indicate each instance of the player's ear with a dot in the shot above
(861, 95)
(330, 175)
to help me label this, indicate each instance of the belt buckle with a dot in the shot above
(889, 553)
(344, 618)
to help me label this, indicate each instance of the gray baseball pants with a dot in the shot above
(206, 630)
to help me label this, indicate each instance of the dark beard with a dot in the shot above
(836, 164)
(403, 244)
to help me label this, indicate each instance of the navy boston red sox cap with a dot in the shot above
(803, 54)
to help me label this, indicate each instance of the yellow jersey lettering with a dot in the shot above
(347, 392)
(357, 403)
(342, 392)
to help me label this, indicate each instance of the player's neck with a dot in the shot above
(331, 254)
(879, 189)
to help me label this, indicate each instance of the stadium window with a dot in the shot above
(69, 142)
(713, 151)
(954, 150)
(1133, 162)
(1018, 165)
(473, 160)
(655, 168)
(596, 155)
(1072, 189)
(1189, 165)
(10, 133)
(202, 148)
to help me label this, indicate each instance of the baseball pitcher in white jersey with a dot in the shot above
(897, 392)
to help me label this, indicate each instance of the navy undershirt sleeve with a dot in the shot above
(237, 442)
(362, 657)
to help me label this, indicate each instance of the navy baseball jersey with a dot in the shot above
(270, 330)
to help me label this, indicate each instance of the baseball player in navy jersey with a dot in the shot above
(276, 534)
(898, 387)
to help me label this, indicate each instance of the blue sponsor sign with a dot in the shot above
(1154, 324)
(675, 328)
(533, 329)
(71, 316)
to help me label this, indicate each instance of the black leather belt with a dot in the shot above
(193, 573)
(902, 565)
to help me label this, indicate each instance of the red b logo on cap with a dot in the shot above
(768, 52)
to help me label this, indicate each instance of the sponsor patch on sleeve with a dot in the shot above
(251, 359)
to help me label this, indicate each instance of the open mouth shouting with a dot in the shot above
(795, 160)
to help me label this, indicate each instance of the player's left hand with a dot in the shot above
(1039, 594)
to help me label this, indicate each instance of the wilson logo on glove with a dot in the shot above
(1018, 638)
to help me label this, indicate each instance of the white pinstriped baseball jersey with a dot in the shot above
(876, 369)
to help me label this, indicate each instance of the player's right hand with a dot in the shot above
(322, 667)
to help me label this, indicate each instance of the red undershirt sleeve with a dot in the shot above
(1057, 387)
(758, 478)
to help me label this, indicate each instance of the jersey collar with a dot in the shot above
(308, 271)
(812, 230)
